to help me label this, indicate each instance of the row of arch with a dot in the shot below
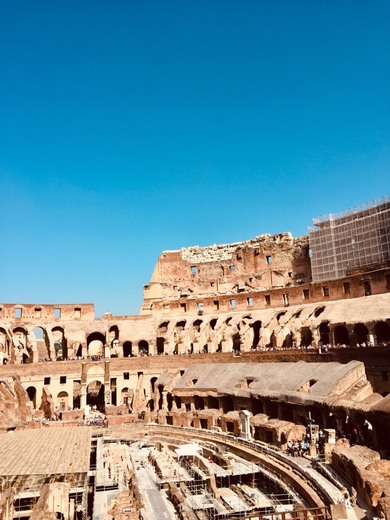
(95, 397)
(231, 333)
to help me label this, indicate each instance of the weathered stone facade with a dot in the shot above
(231, 338)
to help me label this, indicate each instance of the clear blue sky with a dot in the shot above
(132, 127)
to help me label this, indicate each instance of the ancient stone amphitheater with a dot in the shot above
(254, 383)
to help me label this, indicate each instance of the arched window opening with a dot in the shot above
(4, 343)
(20, 342)
(40, 338)
(95, 395)
(198, 402)
(62, 401)
(127, 349)
(256, 326)
(360, 333)
(76, 394)
(324, 332)
(272, 341)
(60, 344)
(341, 336)
(113, 332)
(288, 341)
(32, 394)
(236, 342)
(163, 327)
(382, 332)
(306, 337)
(125, 396)
(152, 383)
(180, 325)
(279, 315)
(318, 311)
(160, 399)
(197, 324)
(213, 323)
(169, 401)
(160, 345)
(95, 344)
(143, 348)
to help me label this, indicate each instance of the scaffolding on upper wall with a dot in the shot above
(352, 239)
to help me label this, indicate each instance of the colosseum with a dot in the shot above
(254, 383)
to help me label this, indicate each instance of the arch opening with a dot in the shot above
(95, 395)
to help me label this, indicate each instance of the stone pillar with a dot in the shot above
(107, 386)
(83, 394)
(279, 339)
(164, 405)
(245, 426)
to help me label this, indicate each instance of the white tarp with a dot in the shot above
(188, 450)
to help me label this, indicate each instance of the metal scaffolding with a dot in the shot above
(356, 238)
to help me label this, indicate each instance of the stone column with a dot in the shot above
(107, 386)
(83, 395)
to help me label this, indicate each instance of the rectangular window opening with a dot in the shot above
(267, 299)
(194, 269)
(62, 380)
(367, 287)
(57, 312)
(269, 259)
(346, 287)
(216, 305)
(126, 375)
(77, 312)
(249, 302)
(18, 312)
(183, 307)
(306, 294)
(326, 292)
(46, 380)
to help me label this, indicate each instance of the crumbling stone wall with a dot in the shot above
(14, 403)
(364, 469)
(264, 262)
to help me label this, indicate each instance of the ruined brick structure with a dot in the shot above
(213, 324)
